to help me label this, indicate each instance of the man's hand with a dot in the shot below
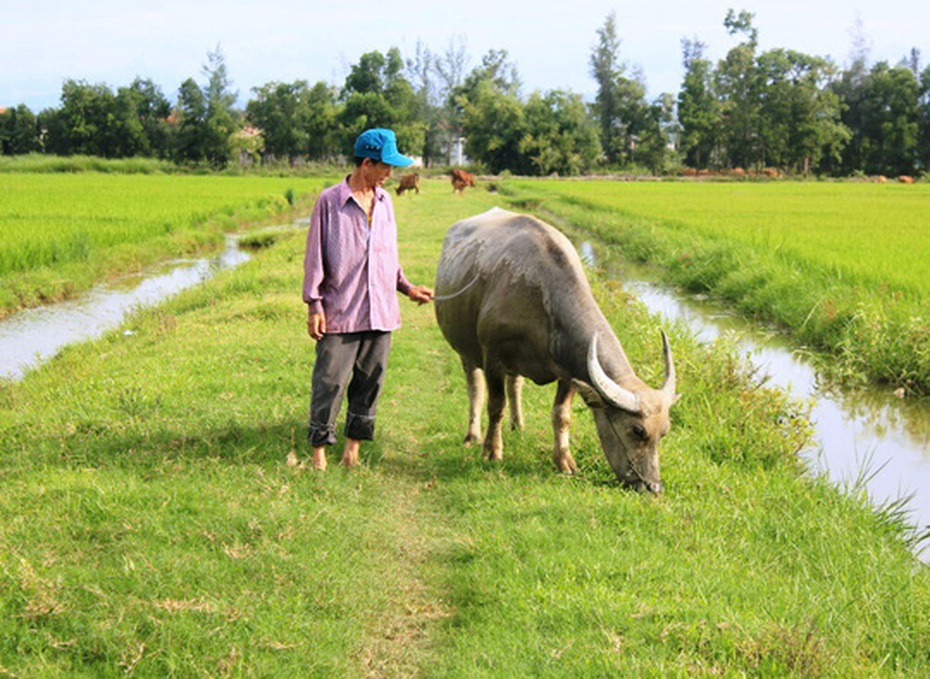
(420, 294)
(316, 325)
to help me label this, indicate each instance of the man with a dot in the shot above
(351, 276)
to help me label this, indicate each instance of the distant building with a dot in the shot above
(457, 151)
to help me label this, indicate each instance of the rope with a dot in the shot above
(445, 298)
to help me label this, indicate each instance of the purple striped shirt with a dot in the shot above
(352, 272)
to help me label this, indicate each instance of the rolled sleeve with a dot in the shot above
(403, 285)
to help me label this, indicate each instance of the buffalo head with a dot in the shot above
(630, 419)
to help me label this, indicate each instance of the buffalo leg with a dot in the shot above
(497, 400)
(475, 378)
(515, 398)
(561, 421)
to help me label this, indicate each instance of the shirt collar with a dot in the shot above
(345, 193)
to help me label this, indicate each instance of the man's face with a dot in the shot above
(376, 172)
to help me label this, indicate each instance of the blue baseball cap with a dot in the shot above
(380, 144)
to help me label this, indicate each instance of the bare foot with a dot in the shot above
(319, 459)
(350, 455)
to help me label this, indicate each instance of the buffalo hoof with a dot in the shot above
(494, 455)
(565, 464)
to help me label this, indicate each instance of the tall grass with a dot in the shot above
(842, 265)
(64, 232)
(150, 526)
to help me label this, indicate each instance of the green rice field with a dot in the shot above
(871, 234)
(843, 266)
(63, 232)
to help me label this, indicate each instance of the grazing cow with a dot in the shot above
(513, 300)
(905, 179)
(461, 179)
(408, 182)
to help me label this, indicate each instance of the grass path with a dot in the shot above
(150, 526)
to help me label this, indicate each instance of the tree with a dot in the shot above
(923, 151)
(742, 23)
(850, 90)
(560, 137)
(738, 86)
(86, 122)
(891, 120)
(190, 117)
(145, 101)
(494, 127)
(449, 67)
(281, 112)
(698, 109)
(607, 69)
(220, 119)
(487, 109)
(653, 149)
(426, 73)
(634, 123)
(323, 138)
(19, 131)
(377, 94)
(620, 106)
(205, 118)
(494, 71)
(799, 117)
(882, 112)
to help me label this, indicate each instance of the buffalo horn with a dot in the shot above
(612, 392)
(669, 387)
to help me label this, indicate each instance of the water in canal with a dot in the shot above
(868, 434)
(35, 335)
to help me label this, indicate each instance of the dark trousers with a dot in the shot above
(353, 362)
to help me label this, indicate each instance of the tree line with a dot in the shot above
(751, 110)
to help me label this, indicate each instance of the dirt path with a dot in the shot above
(398, 644)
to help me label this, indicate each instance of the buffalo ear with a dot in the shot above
(589, 394)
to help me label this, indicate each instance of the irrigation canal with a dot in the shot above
(866, 434)
(33, 336)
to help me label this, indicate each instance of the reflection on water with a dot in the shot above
(855, 431)
(35, 335)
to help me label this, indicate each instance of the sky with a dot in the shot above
(43, 43)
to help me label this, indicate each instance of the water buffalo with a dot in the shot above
(513, 300)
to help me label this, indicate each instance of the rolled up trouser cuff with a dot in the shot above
(360, 427)
(321, 435)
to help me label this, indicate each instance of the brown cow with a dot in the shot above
(461, 179)
(905, 179)
(408, 182)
